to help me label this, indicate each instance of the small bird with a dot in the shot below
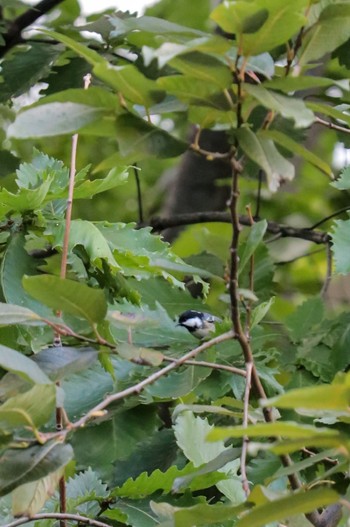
(198, 323)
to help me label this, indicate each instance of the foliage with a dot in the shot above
(133, 449)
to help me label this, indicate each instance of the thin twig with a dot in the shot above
(245, 482)
(210, 156)
(137, 388)
(331, 216)
(212, 365)
(331, 125)
(57, 516)
(328, 271)
(284, 231)
(138, 190)
(258, 197)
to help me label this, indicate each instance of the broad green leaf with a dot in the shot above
(297, 149)
(95, 96)
(279, 428)
(32, 408)
(91, 56)
(262, 25)
(19, 466)
(28, 499)
(189, 89)
(87, 189)
(330, 31)
(204, 67)
(260, 312)
(288, 107)
(71, 297)
(53, 119)
(25, 199)
(151, 24)
(130, 82)
(141, 139)
(201, 514)
(341, 237)
(25, 68)
(280, 509)
(305, 317)
(63, 361)
(301, 82)
(140, 355)
(22, 366)
(319, 398)
(16, 263)
(343, 182)
(255, 236)
(264, 153)
(11, 314)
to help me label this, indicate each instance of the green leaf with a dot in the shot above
(305, 317)
(288, 107)
(189, 89)
(19, 466)
(343, 181)
(201, 514)
(28, 499)
(69, 296)
(53, 119)
(10, 314)
(264, 153)
(33, 408)
(255, 237)
(329, 32)
(331, 111)
(262, 25)
(21, 365)
(341, 240)
(87, 189)
(320, 398)
(297, 149)
(260, 312)
(91, 56)
(203, 67)
(24, 67)
(141, 139)
(280, 509)
(131, 83)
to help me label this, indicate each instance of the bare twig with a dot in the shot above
(137, 388)
(57, 516)
(210, 156)
(138, 190)
(331, 125)
(13, 35)
(245, 482)
(328, 272)
(212, 365)
(283, 231)
(331, 216)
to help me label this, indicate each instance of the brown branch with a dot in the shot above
(331, 125)
(212, 365)
(57, 516)
(13, 35)
(284, 231)
(245, 482)
(137, 388)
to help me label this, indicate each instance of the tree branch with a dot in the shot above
(284, 231)
(13, 35)
(57, 516)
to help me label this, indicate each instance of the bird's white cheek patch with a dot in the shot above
(193, 322)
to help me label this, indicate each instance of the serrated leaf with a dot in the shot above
(85, 491)
(141, 139)
(70, 296)
(280, 509)
(19, 466)
(32, 408)
(305, 317)
(288, 107)
(341, 239)
(343, 182)
(29, 498)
